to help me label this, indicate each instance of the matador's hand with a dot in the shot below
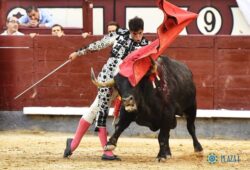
(73, 56)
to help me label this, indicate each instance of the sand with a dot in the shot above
(28, 150)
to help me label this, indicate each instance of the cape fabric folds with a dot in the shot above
(136, 64)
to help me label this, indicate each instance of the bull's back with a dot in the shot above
(181, 88)
(176, 70)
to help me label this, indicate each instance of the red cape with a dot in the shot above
(136, 64)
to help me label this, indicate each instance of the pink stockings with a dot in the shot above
(102, 133)
(82, 128)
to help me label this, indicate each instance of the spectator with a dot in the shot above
(57, 30)
(112, 26)
(12, 27)
(36, 18)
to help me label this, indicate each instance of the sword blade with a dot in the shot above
(39, 81)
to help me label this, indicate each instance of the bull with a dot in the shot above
(174, 94)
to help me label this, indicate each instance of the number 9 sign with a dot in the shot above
(209, 21)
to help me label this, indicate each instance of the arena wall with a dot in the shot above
(220, 65)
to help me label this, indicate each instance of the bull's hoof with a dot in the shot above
(161, 159)
(198, 148)
(169, 156)
(109, 147)
(110, 158)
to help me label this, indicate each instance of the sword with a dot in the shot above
(66, 62)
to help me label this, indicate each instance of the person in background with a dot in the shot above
(35, 18)
(111, 27)
(12, 26)
(57, 30)
(124, 42)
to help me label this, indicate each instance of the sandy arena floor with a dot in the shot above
(28, 150)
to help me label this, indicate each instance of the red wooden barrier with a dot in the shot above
(232, 72)
(16, 68)
(220, 65)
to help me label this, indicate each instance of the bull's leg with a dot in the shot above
(191, 115)
(163, 139)
(124, 121)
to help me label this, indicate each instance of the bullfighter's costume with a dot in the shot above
(123, 44)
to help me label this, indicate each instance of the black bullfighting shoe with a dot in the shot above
(110, 158)
(67, 151)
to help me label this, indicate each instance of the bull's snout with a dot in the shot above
(129, 103)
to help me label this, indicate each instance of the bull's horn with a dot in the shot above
(109, 83)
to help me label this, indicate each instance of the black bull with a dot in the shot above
(156, 108)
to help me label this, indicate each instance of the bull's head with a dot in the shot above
(128, 93)
(124, 88)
